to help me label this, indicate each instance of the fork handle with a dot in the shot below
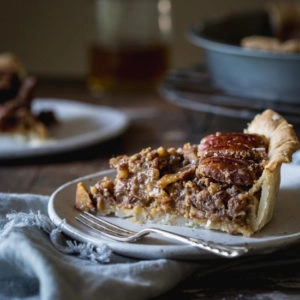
(221, 250)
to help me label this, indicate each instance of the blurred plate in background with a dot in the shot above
(79, 125)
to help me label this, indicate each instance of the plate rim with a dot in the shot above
(258, 246)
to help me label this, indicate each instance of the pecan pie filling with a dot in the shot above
(216, 184)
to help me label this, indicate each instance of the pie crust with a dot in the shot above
(229, 182)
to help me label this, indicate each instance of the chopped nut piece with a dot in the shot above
(83, 201)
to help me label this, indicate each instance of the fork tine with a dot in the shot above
(98, 227)
(108, 229)
(108, 224)
(104, 227)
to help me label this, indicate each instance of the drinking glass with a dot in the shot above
(131, 48)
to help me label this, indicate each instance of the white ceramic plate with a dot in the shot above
(80, 125)
(283, 230)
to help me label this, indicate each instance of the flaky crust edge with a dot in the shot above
(283, 142)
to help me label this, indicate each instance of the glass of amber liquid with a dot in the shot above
(131, 48)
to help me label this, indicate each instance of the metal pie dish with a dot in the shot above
(246, 72)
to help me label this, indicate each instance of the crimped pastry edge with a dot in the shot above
(283, 142)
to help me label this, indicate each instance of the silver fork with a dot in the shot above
(124, 235)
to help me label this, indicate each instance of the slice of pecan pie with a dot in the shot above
(228, 182)
(16, 97)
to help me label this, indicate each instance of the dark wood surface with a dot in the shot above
(154, 122)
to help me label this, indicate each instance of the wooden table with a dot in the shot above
(153, 122)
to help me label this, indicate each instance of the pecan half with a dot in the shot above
(230, 170)
(238, 145)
